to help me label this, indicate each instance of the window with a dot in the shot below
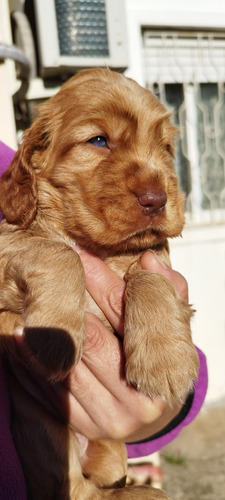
(187, 72)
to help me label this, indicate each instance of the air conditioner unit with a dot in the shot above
(75, 34)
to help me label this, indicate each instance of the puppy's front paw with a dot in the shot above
(161, 359)
(167, 374)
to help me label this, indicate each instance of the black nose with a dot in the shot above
(152, 202)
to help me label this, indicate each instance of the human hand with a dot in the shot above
(96, 399)
(102, 404)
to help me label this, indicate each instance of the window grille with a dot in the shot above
(186, 70)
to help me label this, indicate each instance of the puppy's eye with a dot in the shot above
(99, 141)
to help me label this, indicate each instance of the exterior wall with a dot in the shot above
(164, 13)
(200, 257)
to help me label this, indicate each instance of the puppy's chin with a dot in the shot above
(140, 232)
(135, 242)
(127, 231)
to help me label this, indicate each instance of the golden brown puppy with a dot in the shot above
(95, 168)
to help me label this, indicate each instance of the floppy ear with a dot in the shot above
(18, 189)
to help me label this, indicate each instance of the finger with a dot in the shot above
(99, 385)
(90, 403)
(152, 262)
(95, 412)
(55, 398)
(106, 288)
(87, 405)
(104, 356)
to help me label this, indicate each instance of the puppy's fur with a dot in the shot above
(95, 168)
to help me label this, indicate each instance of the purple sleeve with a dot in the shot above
(6, 156)
(12, 483)
(11, 477)
(200, 388)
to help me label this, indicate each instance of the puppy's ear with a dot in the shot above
(18, 190)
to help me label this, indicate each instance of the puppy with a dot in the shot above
(96, 169)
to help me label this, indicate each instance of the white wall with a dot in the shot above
(200, 257)
(7, 122)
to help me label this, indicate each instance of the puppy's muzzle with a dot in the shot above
(152, 202)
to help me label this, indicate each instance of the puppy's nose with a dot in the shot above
(152, 202)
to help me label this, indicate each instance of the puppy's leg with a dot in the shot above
(111, 471)
(111, 458)
(50, 284)
(160, 357)
(136, 493)
(104, 466)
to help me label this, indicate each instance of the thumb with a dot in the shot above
(152, 262)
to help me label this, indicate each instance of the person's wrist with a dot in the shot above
(174, 419)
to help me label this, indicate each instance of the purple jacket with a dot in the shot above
(11, 478)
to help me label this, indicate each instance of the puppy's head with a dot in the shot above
(98, 164)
